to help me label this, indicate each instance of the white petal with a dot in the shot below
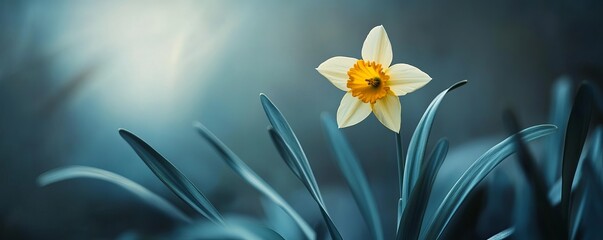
(336, 70)
(389, 112)
(377, 47)
(404, 78)
(351, 111)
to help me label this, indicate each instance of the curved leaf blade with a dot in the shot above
(560, 110)
(412, 218)
(548, 219)
(475, 174)
(596, 149)
(237, 228)
(281, 126)
(285, 138)
(355, 177)
(172, 177)
(295, 165)
(287, 154)
(74, 172)
(579, 208)
(416, 147)
(504, 234)
(575, 136)
(243, 170)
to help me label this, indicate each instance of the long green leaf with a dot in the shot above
(466, 219)
(355, 177)
(296, 159)
(503, 234)
(281, 126)
(549, 221)
(581, 193)
(74, 172)
(475, 174)
(595, 154)
(596, 150)
(417, 145)
(279, 221)
(243, 170)
(560, 110)
(575, 136)
(237, 228)
(172, 177)
(410, 224)
(288, 156)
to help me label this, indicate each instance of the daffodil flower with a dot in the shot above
(371, 83)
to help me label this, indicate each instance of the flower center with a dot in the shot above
(375, 82)
(367, 81)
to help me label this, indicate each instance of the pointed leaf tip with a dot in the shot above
(458, 84)
(251, 177)
(409, 174)
(175, 180)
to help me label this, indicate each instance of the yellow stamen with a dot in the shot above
(367, 81)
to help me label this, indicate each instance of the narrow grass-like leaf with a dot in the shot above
(575, 136)
(595, 153)
(74, 172)
(596, 150)
(279, 221)
(286, 153)
(237, 228)
(475, 174)
(503, 234)
(524, 211)
(172, 177)
(288, 156)
(464, 222)
(281, 126)
(410, 225)
(285, 138)
(555, 193)
(560, 110)
(549, 221)
(243, 170)
(581, 193)
(416, 147)
(355, 177)
(500, 193)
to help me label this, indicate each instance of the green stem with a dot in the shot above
(400, 158)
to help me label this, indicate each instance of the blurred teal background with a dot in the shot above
(73, 72)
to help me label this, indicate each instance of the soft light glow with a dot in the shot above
(153, 53)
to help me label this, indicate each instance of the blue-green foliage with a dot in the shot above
(579, 191)
(252, 178)
(74, 172)
(355, 177)
(575, 136)
(296, 159)
(504, 234)
(560, 108)
(172, 177)
(475, 174)
(416, 148)
(410, 224)
(577, 195)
